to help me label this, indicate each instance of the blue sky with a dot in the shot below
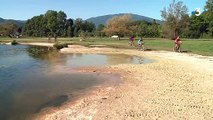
(25, 9)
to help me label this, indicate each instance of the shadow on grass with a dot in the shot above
(148, 49)
(186, 51)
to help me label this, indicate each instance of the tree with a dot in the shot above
(184, 26)
(52, 22)
(209, 5)
(8, 29)
(69, 27)
(99, 31)
(19, 30)
(78, 26)
(88, 26)
(197, 26)
(208, 14)
(35, 26)
(82, 27)
(173, 18)
(61, 19)
(119, 25)
(146, 29)
(143, 29)
(69, 31)
(154, 29)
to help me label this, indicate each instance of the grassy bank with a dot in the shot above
(197, 46)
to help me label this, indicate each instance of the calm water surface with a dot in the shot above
(32, 78)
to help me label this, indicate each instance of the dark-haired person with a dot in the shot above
(141, 44)
(178, 42)
(131, 41)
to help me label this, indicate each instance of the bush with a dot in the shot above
(14, 42)
(60, 45)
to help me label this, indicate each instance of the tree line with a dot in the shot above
(176, 21)
(10, 29)
(56, 24)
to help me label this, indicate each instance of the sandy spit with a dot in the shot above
(39, 44)
(176, 86)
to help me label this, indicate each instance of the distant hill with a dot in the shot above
(1, 20)
(103, 19)
(19, 23)
(96, 20)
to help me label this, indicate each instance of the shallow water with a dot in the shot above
(31, 78)
(86, 60)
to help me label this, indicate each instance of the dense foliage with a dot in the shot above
(176, 21)
(119, 25)
(60, 45)
(14, 42)
(56, 24)
(175, 17)
(9, 29)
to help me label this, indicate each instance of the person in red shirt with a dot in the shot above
(132, 39)
(177, 44)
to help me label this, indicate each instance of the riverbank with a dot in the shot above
(195, 46)
(175, 86)
(39, 44)
(35, 44)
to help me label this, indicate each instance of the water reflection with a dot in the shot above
(43, 53)
(82, 59)
(33, 77)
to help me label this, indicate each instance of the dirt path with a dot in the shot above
(176, 86)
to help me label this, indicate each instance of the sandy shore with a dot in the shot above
(39, 44)
(176, 86)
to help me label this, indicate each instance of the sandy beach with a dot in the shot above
(175, 86)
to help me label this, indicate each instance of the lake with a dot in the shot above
(33, 78)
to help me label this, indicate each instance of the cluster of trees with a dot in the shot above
(202, 25)
(56, 24)
(146, 29)
(125, 26)
(10, 29)
(178, 22)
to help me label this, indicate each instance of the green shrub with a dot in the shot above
(60, 45)
(14, 42)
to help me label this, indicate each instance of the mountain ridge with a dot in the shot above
(96, 20)
(104, 18)
(19, 23)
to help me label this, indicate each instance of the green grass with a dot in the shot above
(202, 47)
(197, 46)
